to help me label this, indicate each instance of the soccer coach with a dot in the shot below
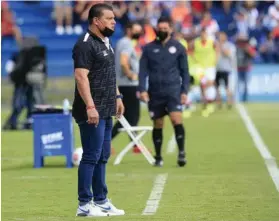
(96, 100)
(164, 62)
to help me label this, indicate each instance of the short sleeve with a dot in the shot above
(126, 48)
(83, 56)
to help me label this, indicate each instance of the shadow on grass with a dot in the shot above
(28, 166)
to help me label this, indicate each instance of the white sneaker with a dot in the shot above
(78, 29)
(60, 30)
(90, 209)
(69, 30)
(110, 208)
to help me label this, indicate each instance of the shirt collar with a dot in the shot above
(157, 41)
(106, 40)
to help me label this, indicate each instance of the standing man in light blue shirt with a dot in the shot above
(224, 68)
(127, 70)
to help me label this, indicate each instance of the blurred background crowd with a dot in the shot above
(258, 20)
(54, 26)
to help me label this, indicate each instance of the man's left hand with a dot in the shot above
(119, 108)
(183, 99)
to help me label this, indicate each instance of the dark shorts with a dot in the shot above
(192, 80)
(222, 76)
(159, 106)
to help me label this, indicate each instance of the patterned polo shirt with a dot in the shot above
(96, 55)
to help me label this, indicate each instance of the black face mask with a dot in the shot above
(162, 35)
(136, 36)
(107, 32)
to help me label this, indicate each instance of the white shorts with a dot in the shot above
(210, 74)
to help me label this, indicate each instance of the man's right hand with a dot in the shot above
(144, 97)
(134, 77)
(93, 116)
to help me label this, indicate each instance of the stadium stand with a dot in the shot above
(35, 19)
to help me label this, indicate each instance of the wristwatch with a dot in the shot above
(119, 96)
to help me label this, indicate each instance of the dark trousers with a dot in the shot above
(22, 97)
(38, 94)
(243, 80)
(132, 107)
(96, 143)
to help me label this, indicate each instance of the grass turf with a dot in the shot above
(225, 179)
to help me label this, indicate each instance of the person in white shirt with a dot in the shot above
(224, 68)
(211, 26)
(272, 19)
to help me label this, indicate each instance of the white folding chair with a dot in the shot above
(136, 140)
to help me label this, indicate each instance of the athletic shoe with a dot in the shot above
(181, 161)
(136, 150)
(109, 208)
(89, 210)
(9, 127)
(211, 108)
(158, 162)
(69, 30)
(78, 29)
(60, 30)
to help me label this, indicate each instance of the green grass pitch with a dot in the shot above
(225, 179)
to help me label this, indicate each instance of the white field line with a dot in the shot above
(171, 145)
(260, 145)
(152, 204)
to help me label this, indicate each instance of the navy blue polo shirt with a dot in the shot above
(166, 67)
(91, 53)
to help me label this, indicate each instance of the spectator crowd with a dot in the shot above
(258, 20)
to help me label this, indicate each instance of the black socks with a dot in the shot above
(180, 136)
(157, 135)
